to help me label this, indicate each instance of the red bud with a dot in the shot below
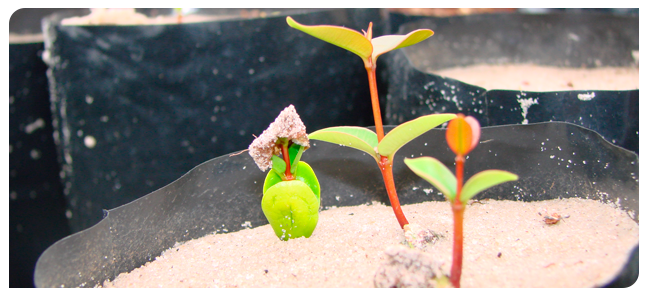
(463, 134)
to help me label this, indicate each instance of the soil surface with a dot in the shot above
(536, 78)
(128, 16)
(507, 244)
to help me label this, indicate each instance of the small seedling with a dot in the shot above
(381, 147)
(462, 136)
(291, 190)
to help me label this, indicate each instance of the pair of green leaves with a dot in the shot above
(462, 137)
(363, 45)
(291, 207)
(295, 153)
(366, 140)
(436, 173)
(300, 169)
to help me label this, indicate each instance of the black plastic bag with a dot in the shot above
(135, 107)
(562, 40)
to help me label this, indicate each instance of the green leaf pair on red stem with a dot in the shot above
(462, 134)
(366, 140)
(363, 45)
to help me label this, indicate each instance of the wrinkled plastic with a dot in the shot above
(562, 40)
(553, 160)
(154, 101)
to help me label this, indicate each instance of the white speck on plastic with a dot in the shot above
(90, 141)
(586, 97)
(35, 154)
(38, 124)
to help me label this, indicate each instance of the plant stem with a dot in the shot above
(374, 96)
(457, 260)
(460, 164)
(386, 168)
(285, 155)
(458, 208)
(385, 165)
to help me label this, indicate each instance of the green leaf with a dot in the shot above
(306, 174)
(484, 180)
(359, 138)
(407, 131)
(295, 153)
(345, 38)
(435, 172)
(303, 173)
(279, 165)
(291, 208)
(272, 178)
(383, 44)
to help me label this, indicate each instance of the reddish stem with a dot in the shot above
(460, 164)
(285, 154)
(385, 165)
(458, 208)
(457, 260)
(374, 96)
(386, 168)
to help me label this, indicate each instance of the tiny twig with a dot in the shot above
(240, 152)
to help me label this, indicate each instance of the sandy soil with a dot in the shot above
(507, 244)
(128, 16)
(25, 38)
(530, 77)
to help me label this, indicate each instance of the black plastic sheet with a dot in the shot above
(553, 160)
(36, 202)
(135, 107)
(563, 40)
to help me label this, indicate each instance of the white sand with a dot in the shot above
(530, 77)
(507, 244)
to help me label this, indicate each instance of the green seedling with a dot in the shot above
(381, 147)
(291, 193)
(462, 136)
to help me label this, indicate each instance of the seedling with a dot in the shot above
(462, 137)
(291, 190)
(381, 147)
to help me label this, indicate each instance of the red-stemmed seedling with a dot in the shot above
(381, 147)
(462, 135)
